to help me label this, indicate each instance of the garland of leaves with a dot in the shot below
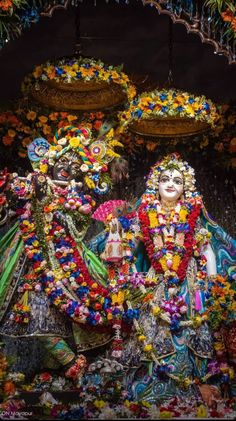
(224, 10)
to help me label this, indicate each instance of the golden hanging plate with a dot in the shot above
(78, 95)
(168, 127)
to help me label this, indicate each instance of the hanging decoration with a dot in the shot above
(78, 84)
(169, 113)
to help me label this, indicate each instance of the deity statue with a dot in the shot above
(48, 276)
(164, 258)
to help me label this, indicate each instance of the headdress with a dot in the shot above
(94, 155)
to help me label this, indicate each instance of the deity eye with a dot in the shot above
(164, 179)
(178, 181)
(63, 160)
(75, 167)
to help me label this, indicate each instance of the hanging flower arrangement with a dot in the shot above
(219, 143)
(70, 70)
(169, 103)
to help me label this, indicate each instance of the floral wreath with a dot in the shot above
(172, 161)
(73, 69)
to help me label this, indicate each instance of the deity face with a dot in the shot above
(67, 167)
(171, 185)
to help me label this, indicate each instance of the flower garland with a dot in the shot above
(170, 258)
(169, 103)
(69, 70)
(57, 262)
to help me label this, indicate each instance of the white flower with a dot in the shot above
(52, 154)
(84, 141)
(84, 168)
(107, 413)
(97, 166)
(62, 141)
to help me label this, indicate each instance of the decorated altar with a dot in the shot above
(117, 229)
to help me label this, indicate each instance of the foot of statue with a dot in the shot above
(76, 370)
(210, 394)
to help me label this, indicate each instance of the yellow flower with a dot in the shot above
(118, 298)
(31, 115)
(165, 414)
(156, 310)
(99, 404)
(190, 110)
(186, 382)
(197, 321)
(74, 142)
(109, 316)
(43, 168)
(146, 404)
(129, 236)
(148, 348)
(201, 411)
(176, 262)
(142, 338)
(183, 214)
(90, 183)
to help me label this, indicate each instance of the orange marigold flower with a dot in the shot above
(53, 116)
(46, 129)
(227, 16)
(6, 5)
(99, 115)
(43, 119)
(63, 114)
(148, 297)
(72, 118)
(31, 115)
(11, 133)
(232, 146)
(97, 124)
(22, 154)
(7, 140)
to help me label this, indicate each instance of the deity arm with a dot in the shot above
(208, 252)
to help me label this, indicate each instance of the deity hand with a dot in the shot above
(3, 215)
(77, 369)
(210, 394)
(119, 170)
(40, 184)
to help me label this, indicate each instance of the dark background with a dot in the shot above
(132, 34)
